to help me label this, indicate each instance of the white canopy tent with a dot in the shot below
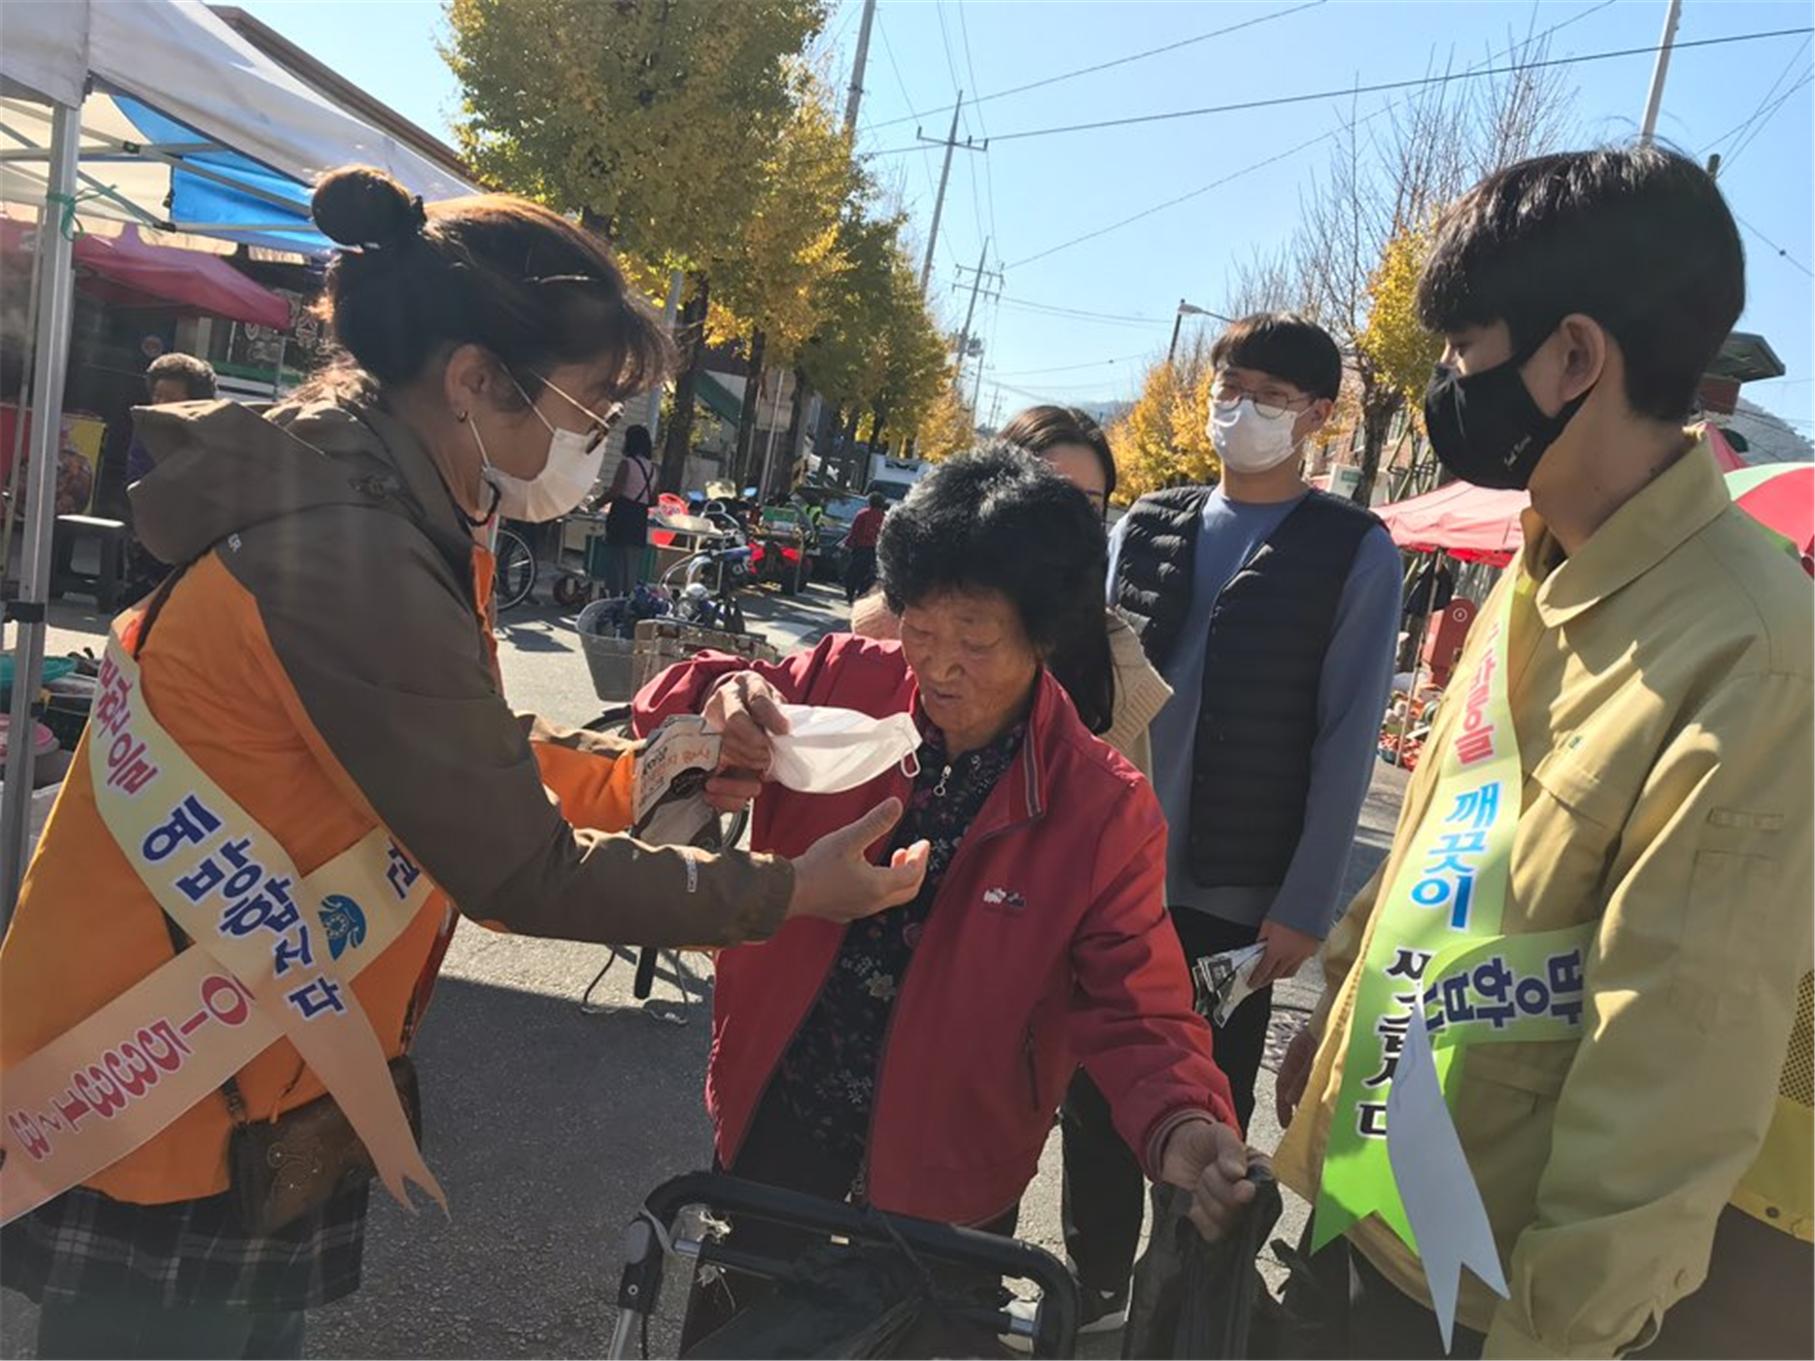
(155, 112)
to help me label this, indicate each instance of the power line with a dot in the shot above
(925, 165)
(1770, 113)
(1134, 56)
(989, 181)
(1074, 368)
(1774, 246)
(1750, 118)
(1382, 87)
(1386, 108)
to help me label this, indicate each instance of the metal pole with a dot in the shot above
(652, 404)
(945, 175)
(1655, 99)
(769, 449)
(964, 336)
(857, 68)
(1178, 320)
(50, 368)
(22, 411)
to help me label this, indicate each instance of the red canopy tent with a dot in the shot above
(128, 270)
(1478, 524)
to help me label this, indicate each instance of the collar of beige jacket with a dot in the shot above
(1683, 501)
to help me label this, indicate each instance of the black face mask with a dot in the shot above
(1485, 427)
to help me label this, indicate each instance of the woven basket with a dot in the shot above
(660, 643)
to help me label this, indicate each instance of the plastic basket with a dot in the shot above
(608, 658)
(660, 643)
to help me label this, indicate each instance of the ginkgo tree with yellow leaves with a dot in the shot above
(1162, 440)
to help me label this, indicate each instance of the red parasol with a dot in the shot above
(1781, 497)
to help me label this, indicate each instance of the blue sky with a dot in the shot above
(1030, 194)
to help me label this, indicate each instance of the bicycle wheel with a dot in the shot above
(515, 573)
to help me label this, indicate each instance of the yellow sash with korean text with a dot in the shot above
(1436, 943)
(274, 957)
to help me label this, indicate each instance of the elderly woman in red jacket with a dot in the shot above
(915, 1061)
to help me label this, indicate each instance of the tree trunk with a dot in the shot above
(1379, 404)
(825, 434)
(879, 423)
(677, 439)
(797, 417)
(752, 408)
(848, 460)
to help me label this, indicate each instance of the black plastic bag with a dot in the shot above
(1197, 1299)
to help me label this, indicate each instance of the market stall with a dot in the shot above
(159, 113)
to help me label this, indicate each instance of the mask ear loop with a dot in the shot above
(485, 462)
(910, 765)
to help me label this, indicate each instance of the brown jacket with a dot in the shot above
(322, 659)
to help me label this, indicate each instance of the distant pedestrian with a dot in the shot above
(627, 521)
(860, 547)
(173, 377)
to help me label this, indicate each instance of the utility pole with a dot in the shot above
(970, 312)
(1655, 99)
(1186, 309)
(950, 144)
(857, 68)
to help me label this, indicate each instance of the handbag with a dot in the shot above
(282, 1169)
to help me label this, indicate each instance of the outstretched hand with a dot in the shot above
(835, 881)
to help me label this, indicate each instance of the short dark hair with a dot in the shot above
(637, 442)
(1285, 345)
(1000, 519)
(196, 375)
(1040, 428)
(878, 501)
(1638, 238)
(494, 270)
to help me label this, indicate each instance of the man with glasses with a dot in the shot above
(1271, 610)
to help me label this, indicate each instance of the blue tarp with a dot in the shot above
(199, 202)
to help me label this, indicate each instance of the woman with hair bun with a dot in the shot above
(301, 765)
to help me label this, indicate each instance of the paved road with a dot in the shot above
(547, 1125)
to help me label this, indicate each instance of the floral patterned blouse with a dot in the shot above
(827, 1077)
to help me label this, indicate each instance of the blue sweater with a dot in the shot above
(1357, 677)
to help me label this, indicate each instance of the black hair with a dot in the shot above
(637, 442)
(196, 375)
(878, 501)
(412, 282)
(1638, 238)
(1000, 519)
(1040, 428)
(1285, 345)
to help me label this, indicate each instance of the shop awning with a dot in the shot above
(1475, 524)
(129, 270)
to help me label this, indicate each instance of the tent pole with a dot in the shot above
(22, 410)
(50, 367)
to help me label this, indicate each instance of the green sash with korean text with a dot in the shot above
(1437, 939)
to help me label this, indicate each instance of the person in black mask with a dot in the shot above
(1615, 791)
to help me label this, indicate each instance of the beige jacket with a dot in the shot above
(1661, 686)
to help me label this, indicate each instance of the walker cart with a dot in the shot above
(883, 1285)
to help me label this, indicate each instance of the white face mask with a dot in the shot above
(572, 470)
(1247, 441)
(827, 751)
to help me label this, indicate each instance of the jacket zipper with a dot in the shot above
(860, 1187)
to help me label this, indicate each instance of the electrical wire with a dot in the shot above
(1764, 99)
(1770, 113)
(1073, 368)
(1774, 246)
(1385, 86)
(1044, 81)
(989, 182)
(1249, 169)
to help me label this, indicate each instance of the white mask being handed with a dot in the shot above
(827, 751)
(1245, 440)
(572, 470)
